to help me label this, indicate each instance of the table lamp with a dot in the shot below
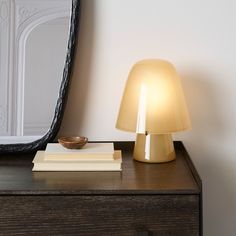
(153, 106)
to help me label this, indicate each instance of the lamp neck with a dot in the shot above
(154, 148)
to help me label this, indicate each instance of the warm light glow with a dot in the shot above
(153, 100)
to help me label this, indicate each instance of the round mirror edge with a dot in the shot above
(63, 93)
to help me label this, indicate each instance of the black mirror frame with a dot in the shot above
(63, 93)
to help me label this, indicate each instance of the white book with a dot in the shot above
(40, 164)
(91, 151)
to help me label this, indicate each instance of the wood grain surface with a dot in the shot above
(99, 215)
(175, 177)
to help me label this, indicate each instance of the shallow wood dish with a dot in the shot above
(73, 142)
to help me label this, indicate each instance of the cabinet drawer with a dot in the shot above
(100, 215)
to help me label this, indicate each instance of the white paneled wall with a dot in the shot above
(18, 18)
(5, 104)
(45, 56)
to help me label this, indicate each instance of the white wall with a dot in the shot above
(198, 37)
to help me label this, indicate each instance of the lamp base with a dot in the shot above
(154, 148)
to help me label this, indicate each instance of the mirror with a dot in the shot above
(35, 70)
(45, 55)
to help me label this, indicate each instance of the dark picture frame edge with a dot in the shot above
(63, 92)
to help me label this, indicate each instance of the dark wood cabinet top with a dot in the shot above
(176, 177)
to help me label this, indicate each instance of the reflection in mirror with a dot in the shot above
(44, 61)
(12, 68)
(33, 45)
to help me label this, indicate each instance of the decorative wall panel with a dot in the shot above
(17, 20)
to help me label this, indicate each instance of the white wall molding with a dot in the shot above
(5, 105)
(3, 119)
(26, 23)
(18, 18)
(39, 128)
(4, 13)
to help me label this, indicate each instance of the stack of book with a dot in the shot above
(92, 157)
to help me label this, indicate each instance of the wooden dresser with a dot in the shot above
(144, 199)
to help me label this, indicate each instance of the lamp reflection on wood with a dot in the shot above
(79, 179)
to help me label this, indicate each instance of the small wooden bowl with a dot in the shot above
(73, 142)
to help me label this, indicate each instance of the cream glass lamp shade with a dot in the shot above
(153, 104)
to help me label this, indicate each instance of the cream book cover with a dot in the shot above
(91, 151)
(40, 164)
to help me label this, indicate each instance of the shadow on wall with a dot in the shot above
(79, 87)
(205, 143)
